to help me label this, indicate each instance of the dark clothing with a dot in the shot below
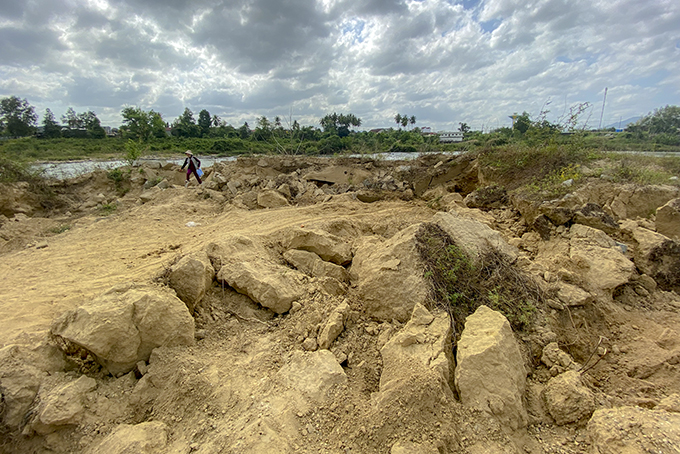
(194, 163)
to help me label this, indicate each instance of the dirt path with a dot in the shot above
(100, 252)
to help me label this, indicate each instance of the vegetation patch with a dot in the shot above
(460, 285)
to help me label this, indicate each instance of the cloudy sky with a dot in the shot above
(444, 61)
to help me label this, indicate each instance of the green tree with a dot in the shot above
(665, 120)
(244, 131)
(397, 120)
(263, 130)
(51, 129)
(204, 122)
(339, 124)
(71, 120)
(522, 123)
(92, 125)
(185, 125)
(463, 127)
(17, 117)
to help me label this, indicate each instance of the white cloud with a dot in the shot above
(442, 61)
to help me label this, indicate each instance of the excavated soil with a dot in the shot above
(221, 396)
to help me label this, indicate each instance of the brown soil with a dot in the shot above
(220, 396)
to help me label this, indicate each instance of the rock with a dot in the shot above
(247, 200)
(312, 373)
(310, 344)
(149, 194)
(572, 295)
(424, 343)
(558, 215)
(19, 385)
(284, 190)
(490, 375)
(311, 264)
(62, 406)
(487, 198)
(409, 447)
(339, 175)
(631, 201)
(567, 399)
(268, 284)
(368, 196)
(147, 437)
(473, 236)
(233, 186)
(592, 215)
(543, 226)
(598, 259)
(657, 256)
(123, 325)
(191, 277)
(271, 199)
(670, 403)
(634, 430)
(388, 275)
(334, 326)
(327, 246)
(554, 356)
(668, 219)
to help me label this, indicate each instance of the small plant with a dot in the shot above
(133, 151)
(108, 208)
(60, 229)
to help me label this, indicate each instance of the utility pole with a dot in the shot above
(603, 102)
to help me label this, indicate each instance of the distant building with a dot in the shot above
(379, 130)
(450, 137)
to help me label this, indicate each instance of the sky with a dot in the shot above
(445, 62)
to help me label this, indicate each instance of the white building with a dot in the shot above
(449, 137)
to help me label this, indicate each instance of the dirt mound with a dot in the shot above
(303, 340)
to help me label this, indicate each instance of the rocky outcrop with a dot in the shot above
(487, 198)
(312, 373)
(592, 215)
(634, 430)
(668, 219)
(123, 326)
(191, 277)
(490, 374)
(148, 437)
(567, 399)
(388, 275)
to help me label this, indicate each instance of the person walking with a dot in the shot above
(194, 166)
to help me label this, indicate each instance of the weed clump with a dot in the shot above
(460, 284)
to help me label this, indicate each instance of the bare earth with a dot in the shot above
(225, 393)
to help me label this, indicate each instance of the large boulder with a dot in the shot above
(490, 375)
(191, 277)
(567, 399)
(472, 236)
(122, 326)
(634, 430)
(389, 275)
(329, 247)
(147, 437)
(271, 285)
(487, 198)
(598, 259)
(668, 219)
(62, 406)
(631, 201)
(657, 256)
(312, 373)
